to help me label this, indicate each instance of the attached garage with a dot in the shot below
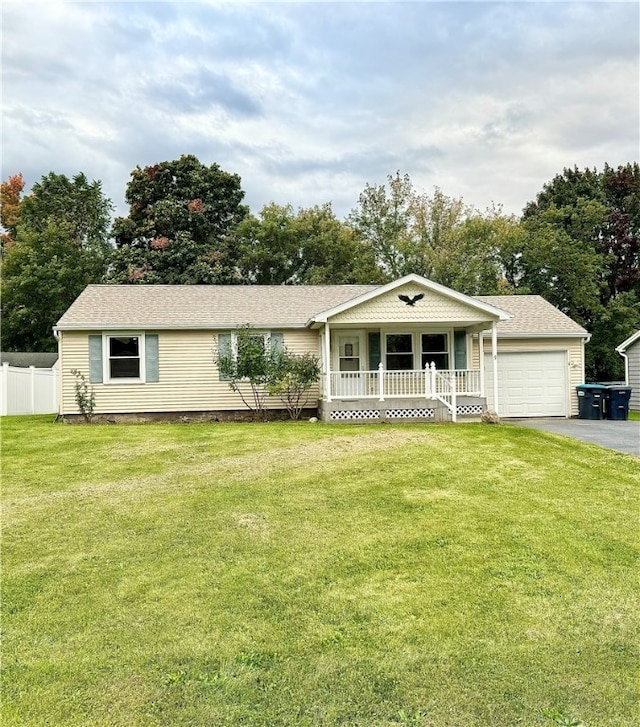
(540, 359)
(530, 383)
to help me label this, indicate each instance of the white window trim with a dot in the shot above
(385, 352)
(416, 342)
(449, 333)
(360, 333)
(106, 369)
(266, 337)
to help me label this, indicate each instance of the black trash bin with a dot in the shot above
(591, 401)
(617, 402)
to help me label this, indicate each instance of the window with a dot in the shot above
(349, 352)
(123, 354)
(125, 357)
(435, 347)
(249, 351)
(257, 341)
(399, 352)
(242, 351)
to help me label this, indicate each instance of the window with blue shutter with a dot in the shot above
(95, 359)
(224, 350)
(460, 349)
(152, 373)
(277, 342)
(228, 345)
(374, 350)
(124, 358)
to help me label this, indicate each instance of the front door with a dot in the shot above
(350, 354)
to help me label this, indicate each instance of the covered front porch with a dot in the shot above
(394, 390)
(412, 349)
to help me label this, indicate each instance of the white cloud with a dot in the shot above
(309, 101)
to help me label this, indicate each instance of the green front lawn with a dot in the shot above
(305, 574)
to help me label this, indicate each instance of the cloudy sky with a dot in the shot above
(308, 102)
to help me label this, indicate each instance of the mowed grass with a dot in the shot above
(305, 574)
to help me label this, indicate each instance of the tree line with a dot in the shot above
(577, 244)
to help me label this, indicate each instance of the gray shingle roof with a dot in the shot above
(533, 316)
(23, 359)
(203, 306)
(134, 307)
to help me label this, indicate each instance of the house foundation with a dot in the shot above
(418, 409)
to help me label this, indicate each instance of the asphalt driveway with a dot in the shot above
(624, 436)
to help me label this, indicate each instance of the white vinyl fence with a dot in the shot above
(28, 391)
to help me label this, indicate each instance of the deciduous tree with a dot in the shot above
(181, 214)
(384, 219)
(10, 204)
(42, 273)
(76, 203)
(311, 246)
(436, 236)
(583, 254)
(59, 246)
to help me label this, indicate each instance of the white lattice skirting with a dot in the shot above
(356, 414)
(410, 413)
(470, 409)
(422, 413)
(388, 414)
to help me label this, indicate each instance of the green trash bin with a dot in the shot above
(591, 401)
(617, 402)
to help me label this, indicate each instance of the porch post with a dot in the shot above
(428, 391)
(494, 356)
(481, 354)
(327, 360)
(454, 400)
(381, 381)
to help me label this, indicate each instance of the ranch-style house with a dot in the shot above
(408, 350)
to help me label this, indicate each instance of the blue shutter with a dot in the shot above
(277, 342)
(224, 350)
(374, 350)
(460, 349)
(95, 359)
(151, 368)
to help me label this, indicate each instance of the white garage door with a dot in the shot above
(530, 384)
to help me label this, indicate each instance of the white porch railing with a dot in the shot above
(430, 383)
(443, 387)
(467, 381)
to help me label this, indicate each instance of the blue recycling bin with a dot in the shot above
(591, 401)
(617, 402)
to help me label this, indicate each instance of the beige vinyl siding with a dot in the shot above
(633, 353)
(188, 377)
(388, 309)
(573, 347)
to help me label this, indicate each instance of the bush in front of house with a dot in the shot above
(85, 396)
(258, 366)
(294, 377)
